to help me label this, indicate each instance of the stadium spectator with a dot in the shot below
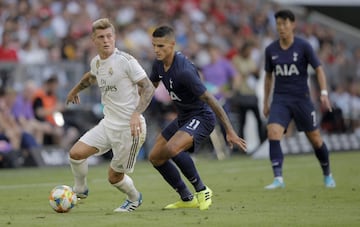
(48, 109)
(339, 118)
(15, 142)
(245, 98)
(23, 112)
(8, 53)
(354, 90)
(219, 76)
(30, 54)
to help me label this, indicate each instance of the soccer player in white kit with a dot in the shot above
(126, 92)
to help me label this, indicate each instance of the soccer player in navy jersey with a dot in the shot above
(194, 123)
(286, 60)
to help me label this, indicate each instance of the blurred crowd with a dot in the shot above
(224, 38)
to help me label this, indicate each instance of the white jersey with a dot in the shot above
(117, 77)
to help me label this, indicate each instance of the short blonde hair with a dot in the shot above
(102, 23)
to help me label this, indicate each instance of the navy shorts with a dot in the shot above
(199, 127)
(301, 110)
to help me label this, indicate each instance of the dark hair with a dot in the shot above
(163, 31)
(285, 14)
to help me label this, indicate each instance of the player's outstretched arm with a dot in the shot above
(323, 86)
(231, 136)
(86, 81)
(267, 90)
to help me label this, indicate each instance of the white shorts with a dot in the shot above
(125, 147)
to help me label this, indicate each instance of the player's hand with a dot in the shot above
(232, 138)
(325, 102)
(135, 124)
(71, 98)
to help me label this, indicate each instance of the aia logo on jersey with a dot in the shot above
(286, 70)
(174, 97)
(172, 94)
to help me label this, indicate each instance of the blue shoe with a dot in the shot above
(82, 195)
(129, 206)
(329, 181)
(275, 184)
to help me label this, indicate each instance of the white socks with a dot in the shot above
(127, 186)
(79, 169)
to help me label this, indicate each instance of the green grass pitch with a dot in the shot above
(239, 198)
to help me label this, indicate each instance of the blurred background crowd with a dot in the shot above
(46, 47)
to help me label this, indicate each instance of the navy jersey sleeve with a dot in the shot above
(311, 56)
(192, 80)
(268, 65)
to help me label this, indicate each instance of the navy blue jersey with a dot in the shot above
(290, 67)
(183, 84)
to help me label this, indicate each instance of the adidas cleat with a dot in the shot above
(275, 184)
(129, 206)
(183, 204)
(82, 195)
(204, 198)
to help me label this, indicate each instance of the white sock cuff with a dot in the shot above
(123, 181)
(74, 161)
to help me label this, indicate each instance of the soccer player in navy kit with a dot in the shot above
(286, 60)
(195, 121)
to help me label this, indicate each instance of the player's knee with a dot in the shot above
(155, 159)
(274, 133)
(73, 154)
(81, 151)
(317, 143)
(158, 157)
(77, 154)
(115, 177)
(315, 139)
(152, 158)
(172, 149)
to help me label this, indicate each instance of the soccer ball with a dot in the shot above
(62, 198)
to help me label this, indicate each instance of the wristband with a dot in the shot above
(324, 92)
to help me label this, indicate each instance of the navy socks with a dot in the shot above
(187, 167)
(276, 157)
(172, 176)
(322, 155)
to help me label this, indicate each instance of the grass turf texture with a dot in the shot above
(239, 198)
